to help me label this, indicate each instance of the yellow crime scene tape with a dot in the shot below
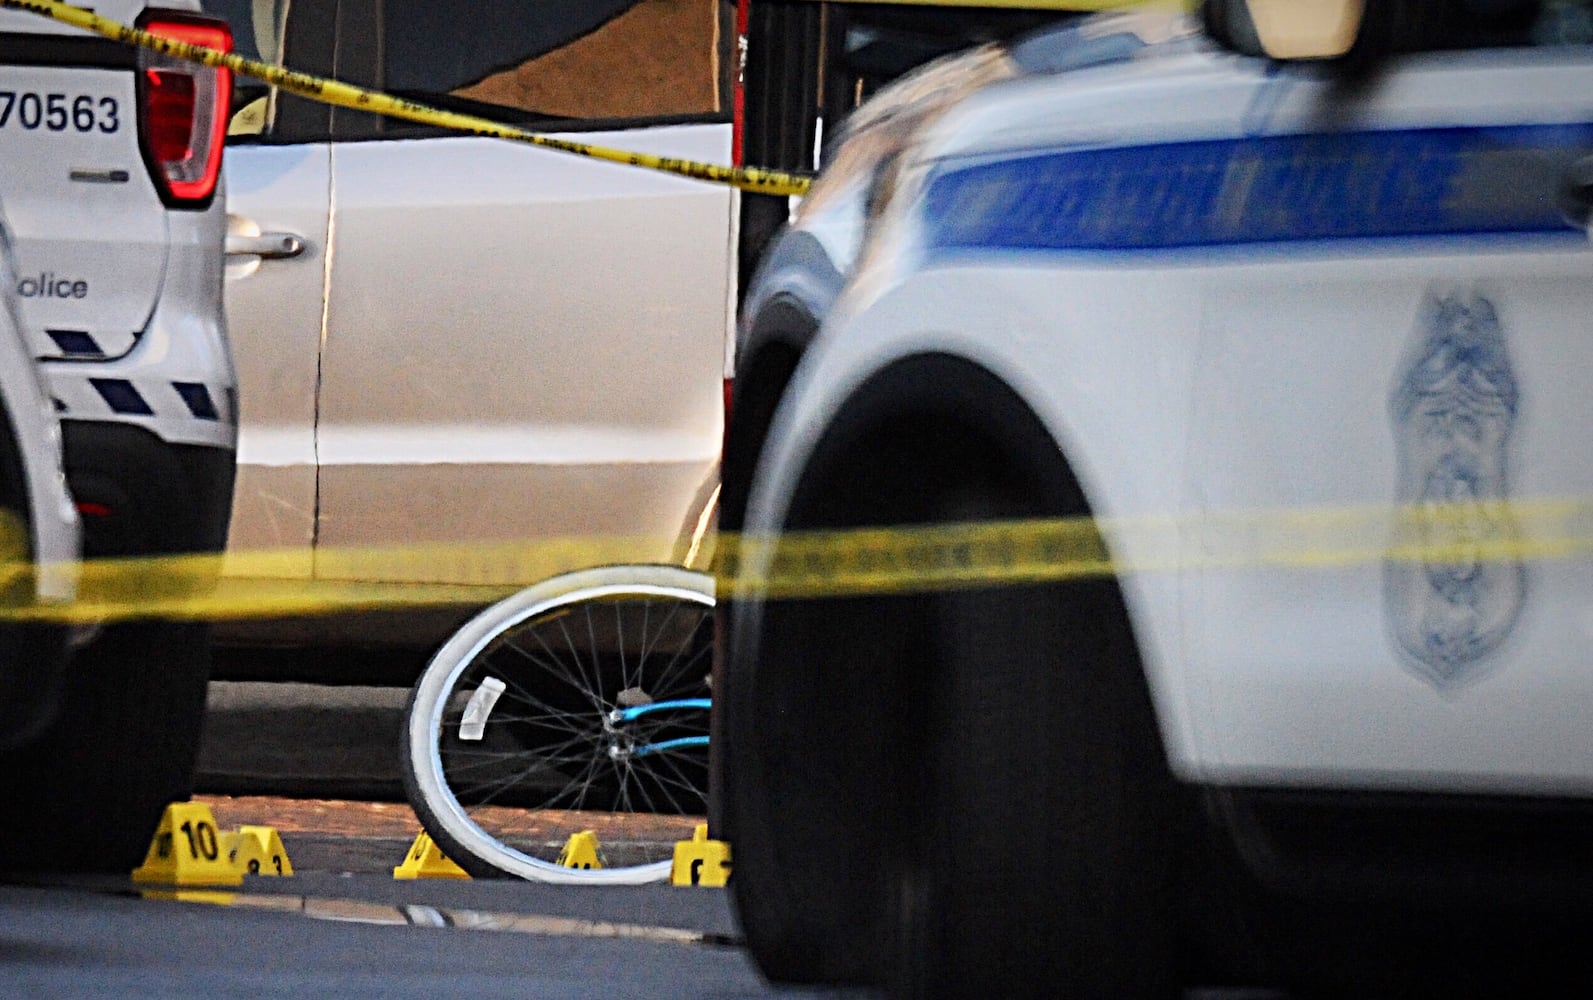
(845, 563)
(270, 583)
(329, 91)
(1077, 6)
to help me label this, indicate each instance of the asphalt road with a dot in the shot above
(363, 936)
(352, 937)
(341, 927)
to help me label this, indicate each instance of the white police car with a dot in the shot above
(1310, 342)
(111, 171)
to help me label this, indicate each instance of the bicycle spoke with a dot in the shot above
(550, 718)
(561, 672)
(663, 630)
(619, 632)
(588, 780)
(563, 653)
(492, 789)
(537, 765)
(573, 750)
(509, 640)
(593, 692)
(670, 668)
(686, 669)
(536, 785)
(679, 781)
(575, 679)
(591, 646)
(570, 752)
(647, 799)
(641, 655)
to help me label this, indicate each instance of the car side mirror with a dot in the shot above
(1285, 29)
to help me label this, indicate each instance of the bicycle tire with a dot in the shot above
(533, 766)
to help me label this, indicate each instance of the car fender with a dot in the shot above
(31, 412)
(1110, 405)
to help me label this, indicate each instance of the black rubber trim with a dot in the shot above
(23, 49)
(157, 498)
(1357, 845)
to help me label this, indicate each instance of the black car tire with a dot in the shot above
(813, 801)
(951, 793)
(1045, 862)
(87, 795)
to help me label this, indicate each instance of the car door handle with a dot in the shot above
(1576, 192)
(267, 246)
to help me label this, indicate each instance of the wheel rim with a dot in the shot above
(585, 711)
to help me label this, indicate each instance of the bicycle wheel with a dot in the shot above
(579, 703)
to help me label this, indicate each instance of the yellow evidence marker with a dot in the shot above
(426, 860)
(700, 861)
(257, 850)
(582, 851)
(187, 850)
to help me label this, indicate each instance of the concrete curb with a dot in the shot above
(307, 740)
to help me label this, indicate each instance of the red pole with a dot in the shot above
(739, 89)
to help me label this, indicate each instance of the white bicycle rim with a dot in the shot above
(446, 819)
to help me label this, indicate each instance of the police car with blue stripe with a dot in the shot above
(112, 169)
(1306, 337)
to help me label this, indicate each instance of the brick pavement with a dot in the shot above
(344, 836)
(390, 820)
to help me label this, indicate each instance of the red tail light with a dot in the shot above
(182, 109)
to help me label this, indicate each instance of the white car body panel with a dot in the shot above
(102, 243)
(121, 267)
(1352, 700)
(184, 342)
(1295, 668)
(38, 437)
(1007, 322)
(1217, 379)
(517, 342)
(275, 310)
(115, 288)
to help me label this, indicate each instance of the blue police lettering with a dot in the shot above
(48, 286)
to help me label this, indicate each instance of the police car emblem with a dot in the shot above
(1452, 586)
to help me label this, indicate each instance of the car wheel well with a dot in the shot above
(932, 438)
(923, 429)
(761, 380)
